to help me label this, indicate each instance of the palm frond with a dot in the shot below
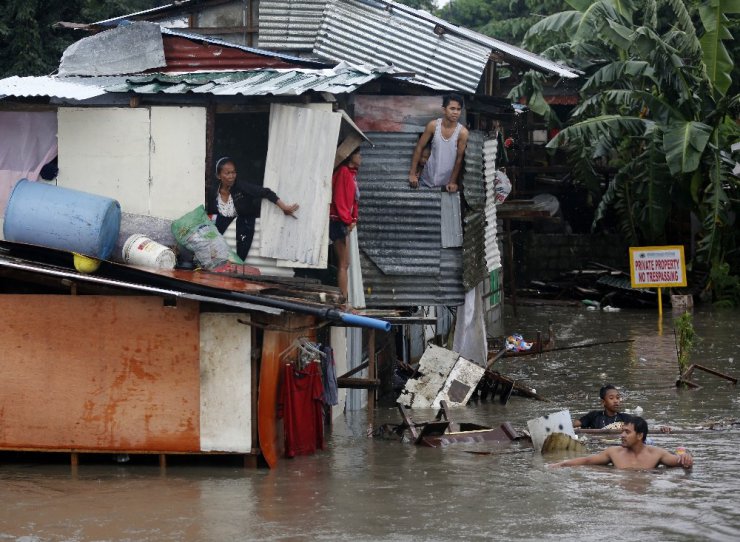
(606, 126)
(684, 143)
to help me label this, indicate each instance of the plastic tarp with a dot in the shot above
(28, 140)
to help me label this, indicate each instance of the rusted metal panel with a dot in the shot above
(185, 54)
(225, 383)
(99, 373)
(299, 164)
(396, 114)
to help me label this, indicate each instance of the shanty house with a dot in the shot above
(146, 129)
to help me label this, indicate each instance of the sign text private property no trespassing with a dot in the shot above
(657, 267)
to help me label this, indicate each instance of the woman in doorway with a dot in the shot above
(242, 202)
(343, 214)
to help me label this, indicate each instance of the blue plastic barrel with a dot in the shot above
(61, 218)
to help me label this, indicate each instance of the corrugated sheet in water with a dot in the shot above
(364, 32)
(286, 25)
(399, 232)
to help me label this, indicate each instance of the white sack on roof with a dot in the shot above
(131, 48)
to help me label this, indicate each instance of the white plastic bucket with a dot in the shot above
(140, 250)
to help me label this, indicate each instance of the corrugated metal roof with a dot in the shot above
(367, 32)
(32, 87)
(509, 51)
(289, 25)
(399, 232)
(442, 55)
(260, 82)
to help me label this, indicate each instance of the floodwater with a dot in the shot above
(374, 489)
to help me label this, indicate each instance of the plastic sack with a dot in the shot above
(501, 187)
(198, 234)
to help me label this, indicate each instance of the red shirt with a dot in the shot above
(344, 195)
(302, 405)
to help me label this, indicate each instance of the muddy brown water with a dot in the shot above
(371, 489)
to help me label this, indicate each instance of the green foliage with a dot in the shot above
(426, 5)
(683, 329)
(655, 106)
(725, 287)
(505, 20)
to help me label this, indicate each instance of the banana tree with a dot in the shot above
(654, 105)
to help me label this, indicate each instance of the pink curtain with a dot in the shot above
(28, 140)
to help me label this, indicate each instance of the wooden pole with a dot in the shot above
(510, 250)
(371, 376)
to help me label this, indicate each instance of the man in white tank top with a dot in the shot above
(449, 139)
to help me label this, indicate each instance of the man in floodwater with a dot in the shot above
(611, 400)
(633, 452)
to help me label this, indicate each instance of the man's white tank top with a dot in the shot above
(442, 160)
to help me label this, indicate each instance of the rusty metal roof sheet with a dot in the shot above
(399, 232)
(286, 25)
(192, 34)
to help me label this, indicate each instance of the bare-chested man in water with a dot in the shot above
(633, 453)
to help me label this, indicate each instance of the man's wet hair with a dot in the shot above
(447, 98)
(639, 424)
(605, 388)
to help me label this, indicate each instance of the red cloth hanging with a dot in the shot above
(302, 408)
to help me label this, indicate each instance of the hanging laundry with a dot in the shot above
(302, 410)
(329, 374)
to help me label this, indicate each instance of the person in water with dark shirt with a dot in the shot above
(611, 401)
(633, 453)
